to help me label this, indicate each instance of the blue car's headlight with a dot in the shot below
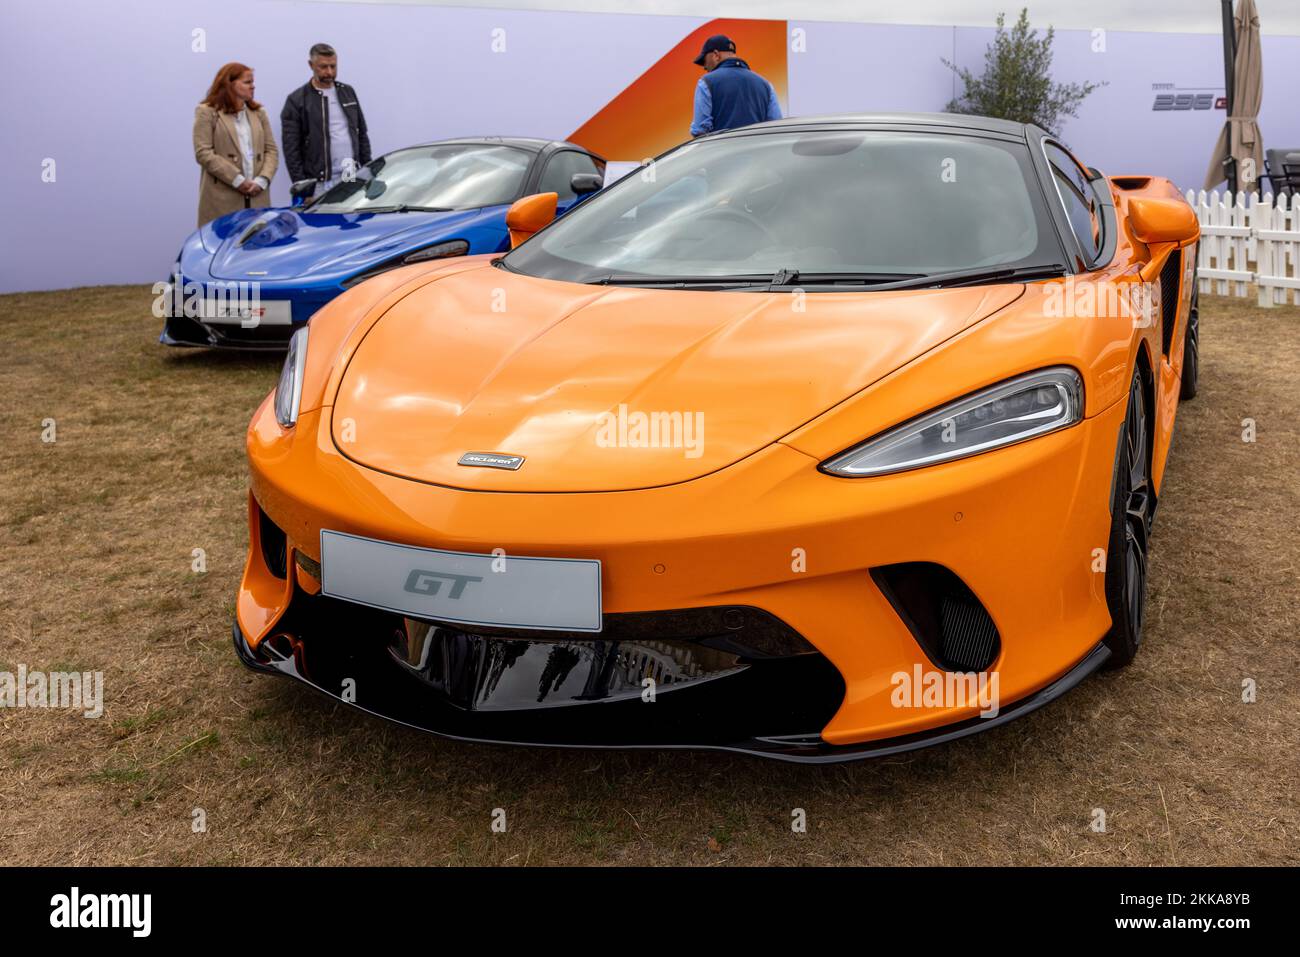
(453, 247)
(288, 392)
(1012, 411)
(456, 247)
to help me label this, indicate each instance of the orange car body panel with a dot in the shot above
(389, 406)
(537, 378)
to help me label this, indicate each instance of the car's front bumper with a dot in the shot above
(186, 319)
(1021, 527)
(727, 713)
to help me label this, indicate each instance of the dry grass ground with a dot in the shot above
(96, 538)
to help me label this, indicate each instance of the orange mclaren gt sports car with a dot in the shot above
(818, 439)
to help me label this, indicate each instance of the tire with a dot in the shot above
(1132, 508)
(1192, 347)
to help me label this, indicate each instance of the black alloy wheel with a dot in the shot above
(1132, 510)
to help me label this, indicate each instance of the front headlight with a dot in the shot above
(454, 247)
(288, 392)
(1012, 411)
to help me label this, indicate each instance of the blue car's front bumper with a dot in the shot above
(187, 326)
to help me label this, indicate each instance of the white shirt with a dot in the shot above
(339, 134)
(244, 131)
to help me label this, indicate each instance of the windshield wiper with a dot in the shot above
(686, 282)
(794, 277)
(970, 277)
(786, 278)
(403, 208)
(783, 278)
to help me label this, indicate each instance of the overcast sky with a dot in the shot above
(1179, 16)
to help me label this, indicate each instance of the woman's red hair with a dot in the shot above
(221, 96)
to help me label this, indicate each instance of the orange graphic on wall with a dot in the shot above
(654, 112)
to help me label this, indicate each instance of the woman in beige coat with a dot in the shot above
(234, 146)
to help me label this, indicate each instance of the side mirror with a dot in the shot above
(300, 192)
(526, 216)
(583, 183)
(1163, 221)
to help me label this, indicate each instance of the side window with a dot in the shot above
(1080, 201)
(559, 171)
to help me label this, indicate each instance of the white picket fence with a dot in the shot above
(1249, 239)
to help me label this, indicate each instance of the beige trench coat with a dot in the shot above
(216, 148)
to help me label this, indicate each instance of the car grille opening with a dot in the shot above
(949, 622)
(1170, 276)
(274, 545)
(720, 675)
(187, 331)
(269, 334)
(484, 674)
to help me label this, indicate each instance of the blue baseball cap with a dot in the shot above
(715, 44)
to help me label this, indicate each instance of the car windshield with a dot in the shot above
(840, 203)
(445, 176)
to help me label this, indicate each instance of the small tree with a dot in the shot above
(1017, 82)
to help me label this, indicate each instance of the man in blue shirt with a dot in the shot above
(729, 94)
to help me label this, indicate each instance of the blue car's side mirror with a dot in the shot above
(301, 190)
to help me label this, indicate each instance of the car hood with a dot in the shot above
(603, 389)
(275, 244)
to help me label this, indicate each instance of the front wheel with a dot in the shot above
(1132, 506)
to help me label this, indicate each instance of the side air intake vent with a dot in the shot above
(274, 545)
(943, 614)
(1170, 276)
(1131, 182)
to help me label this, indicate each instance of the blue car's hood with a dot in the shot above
(286, 244)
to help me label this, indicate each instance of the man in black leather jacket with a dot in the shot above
(322, 129)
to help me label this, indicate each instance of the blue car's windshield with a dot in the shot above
(848, 202)
(445, 176)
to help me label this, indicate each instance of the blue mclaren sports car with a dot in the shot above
(249, 279)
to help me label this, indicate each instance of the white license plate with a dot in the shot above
(506, 591)
(249, 314)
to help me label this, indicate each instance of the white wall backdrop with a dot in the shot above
(107, 93)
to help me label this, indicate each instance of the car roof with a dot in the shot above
(960, 121)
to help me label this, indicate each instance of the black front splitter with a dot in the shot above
(380, 688)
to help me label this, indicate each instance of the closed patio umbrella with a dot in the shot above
(1240, 138)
